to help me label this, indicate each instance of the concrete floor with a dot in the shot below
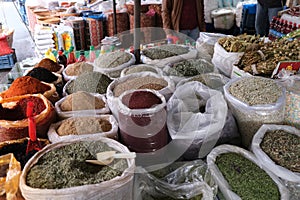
(22, 40)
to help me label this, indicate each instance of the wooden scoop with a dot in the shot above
(107, 157)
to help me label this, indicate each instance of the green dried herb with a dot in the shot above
(65, 167)
(93, 82)
(283, 148)
(165, 51)
(191, 67)
(246, 179)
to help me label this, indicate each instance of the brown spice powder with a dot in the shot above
(49, 64)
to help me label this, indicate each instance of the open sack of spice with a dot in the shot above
(143, 80)
(13, 118)
(141, 68)
(178, 180)
(78, 179)
(10, 176)
(84, 126)
(75, 69)
(178, 71)
(255, 101)
(92, 82)
(164, 54)
(196, 117)
(81, 103)
(239, 175)
(113, 63)
(277, 148)
(50, 65)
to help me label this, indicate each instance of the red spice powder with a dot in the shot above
(141, 100)
(25, 85)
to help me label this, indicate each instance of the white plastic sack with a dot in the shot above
(150, 68)
(66, 114)
(112, 99)
(224, 60)
(113, 133)
(209, 5)
(163, 62)
(265, 160)
(191, 128)
(221, 181)
(114, 72)
(118, 188)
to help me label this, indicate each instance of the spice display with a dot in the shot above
(18, 112)
(147, 82)
(25, 85)
(142, 120)
(283, 148)
(265, 59)
(211, 80)
(258, 101)
(42, 74)
(81, 101)
(256, 91)
(78, 68)
(165, 51)
(140, 68)
(112, 59)
(93, 82)
(83, 125)
(190, 67)
(49, 64)
(240, 43)
(65, 167)
(245, 178)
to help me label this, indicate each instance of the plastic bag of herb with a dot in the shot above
(113, 63)
(164, 54)
(141, 68)
(188, 68)
(83, 126)
(277, 147)
(81, 103)
(206, 41)
(239, 175)
(255, 101)
(196, 117)
(178, 180)
(143, 80)
(61, 167)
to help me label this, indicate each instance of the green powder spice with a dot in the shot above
(191, 67)
(283, 148)
(93, 82)
(165, 51)
(112, 59)
(65, 167)
(256, 91)
(246, 179)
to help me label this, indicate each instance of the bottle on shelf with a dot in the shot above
(92, 54)
(82, 57)
(71, 56)
(62, 58)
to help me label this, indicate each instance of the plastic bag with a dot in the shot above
(209, 5)
(112, 99)
(113, 133)
(207, 41)
(118, 188)
(141, 68)
(196, 117)
(224, 60)
(67, 114)
(180, 180)
(221, 181)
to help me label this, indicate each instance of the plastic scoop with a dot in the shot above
(107, 157)
(33, 143)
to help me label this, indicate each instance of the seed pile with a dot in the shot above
(112, 59)
(165, 51)
(78, 68)
(140, 68)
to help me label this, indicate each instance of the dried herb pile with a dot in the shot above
(246, 179)
(283, 148)
(211, 80)
(164, 51)
(65, 167)
(190, 67)
(239, 43)
(112, 59)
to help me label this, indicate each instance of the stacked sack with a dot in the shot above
(43, 37)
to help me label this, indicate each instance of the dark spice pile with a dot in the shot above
(246, 179)
(65, 167)
(93, 82)
(42, 74)
(283, 148)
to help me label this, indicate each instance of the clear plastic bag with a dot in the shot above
(196, 117)
(180, 180)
